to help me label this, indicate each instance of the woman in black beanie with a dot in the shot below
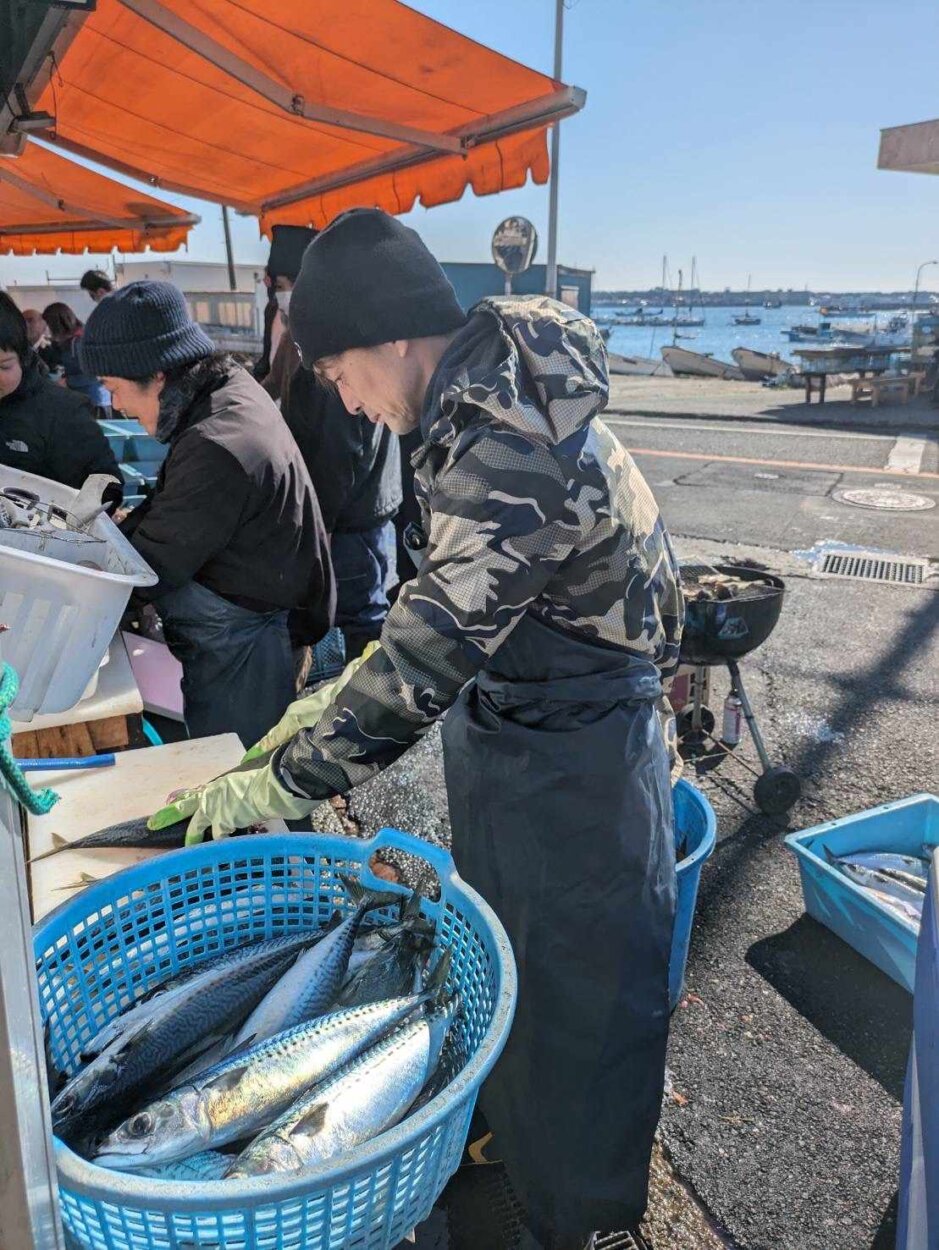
(233, 528)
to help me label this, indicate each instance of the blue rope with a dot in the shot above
(38, 802)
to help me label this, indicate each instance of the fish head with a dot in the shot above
(170, 1129)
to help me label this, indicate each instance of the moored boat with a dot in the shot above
(637, 366)
(684, 363)
(756, 366)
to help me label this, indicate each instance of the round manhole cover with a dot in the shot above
(885, 498)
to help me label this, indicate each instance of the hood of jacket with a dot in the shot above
(34, 374)
(531, 363)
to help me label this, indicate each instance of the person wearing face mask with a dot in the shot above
(44, 428)
(354, 466)
(233, 529)
(288, 244)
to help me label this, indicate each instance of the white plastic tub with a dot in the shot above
(59, 617)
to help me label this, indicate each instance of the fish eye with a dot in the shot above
(140, 1125)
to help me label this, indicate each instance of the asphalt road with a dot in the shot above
(788, 1052)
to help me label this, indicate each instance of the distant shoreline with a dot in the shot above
(873, 301)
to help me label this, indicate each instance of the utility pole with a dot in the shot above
(232, 280)
(551, 276)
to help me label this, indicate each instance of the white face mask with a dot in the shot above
(283, 300)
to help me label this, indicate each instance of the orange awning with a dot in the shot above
(49, 204)
(294, 110)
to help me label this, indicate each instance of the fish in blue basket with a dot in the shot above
(209, 1165)
(213, 1000)
(362, 1100)
(310, 986)
(239, 1097)
(395, 968)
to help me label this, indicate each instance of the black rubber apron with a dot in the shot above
(561, 811)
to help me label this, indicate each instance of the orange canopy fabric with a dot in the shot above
(248, 103)
(49, 203)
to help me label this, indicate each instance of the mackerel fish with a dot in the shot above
(906, 869)
(310, 987)
(882, 882)
(237, 1098)
(213, 1000)
(362, 1100)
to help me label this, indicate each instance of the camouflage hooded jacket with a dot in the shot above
(530, 504)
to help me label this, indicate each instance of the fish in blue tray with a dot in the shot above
(907, 869)
(238, 1098)
(213, 1000)
(895, 883)
(371, 1094)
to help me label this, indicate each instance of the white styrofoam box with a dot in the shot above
(60, 617)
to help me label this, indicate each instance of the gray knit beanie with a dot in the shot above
(140, 330)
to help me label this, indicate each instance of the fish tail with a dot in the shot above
(58, 844)
(367, 900)
(435, 991)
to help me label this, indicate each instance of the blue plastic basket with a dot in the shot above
(875, 931)
(103, 949)
(696, 832)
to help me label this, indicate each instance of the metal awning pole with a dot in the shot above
(232, 280)
(551, 275)
(29, 1211)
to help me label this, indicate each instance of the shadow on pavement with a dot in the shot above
(886, 1236)
(856, 1007)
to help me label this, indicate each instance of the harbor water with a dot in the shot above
(719, 335)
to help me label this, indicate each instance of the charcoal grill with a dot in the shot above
(718, 633)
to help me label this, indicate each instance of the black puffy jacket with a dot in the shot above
(234, 508)
(355, 466)
(52, 431)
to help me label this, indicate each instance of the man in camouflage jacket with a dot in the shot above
(530, 504)
(545, 614)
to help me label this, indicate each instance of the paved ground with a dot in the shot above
(730, 401)
(788, 1051)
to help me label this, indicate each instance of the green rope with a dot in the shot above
(36, 801)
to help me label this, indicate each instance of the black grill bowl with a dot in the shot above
(726, 629)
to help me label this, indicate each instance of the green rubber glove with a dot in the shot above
(304, 713)
(239, 800)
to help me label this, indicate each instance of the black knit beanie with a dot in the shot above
(140, 330)
(367, 279)
(288, 243)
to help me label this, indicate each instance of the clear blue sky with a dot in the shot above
(742, 131)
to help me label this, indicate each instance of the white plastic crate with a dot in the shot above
(59, 617)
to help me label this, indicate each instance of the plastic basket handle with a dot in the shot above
(439, 859)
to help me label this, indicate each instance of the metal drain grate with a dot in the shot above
(614, 1241)
(874, 568)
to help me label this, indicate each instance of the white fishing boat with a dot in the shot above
(638, 366)
(686, 364)
(756, 366)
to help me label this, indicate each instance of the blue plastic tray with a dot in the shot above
(178, 909)
(876, 932)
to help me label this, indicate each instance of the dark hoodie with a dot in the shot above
(234, 508)
(51, 431)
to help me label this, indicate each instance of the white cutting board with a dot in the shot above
(136, 785)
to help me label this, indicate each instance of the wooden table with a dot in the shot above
(136, 785)
(818, 363)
